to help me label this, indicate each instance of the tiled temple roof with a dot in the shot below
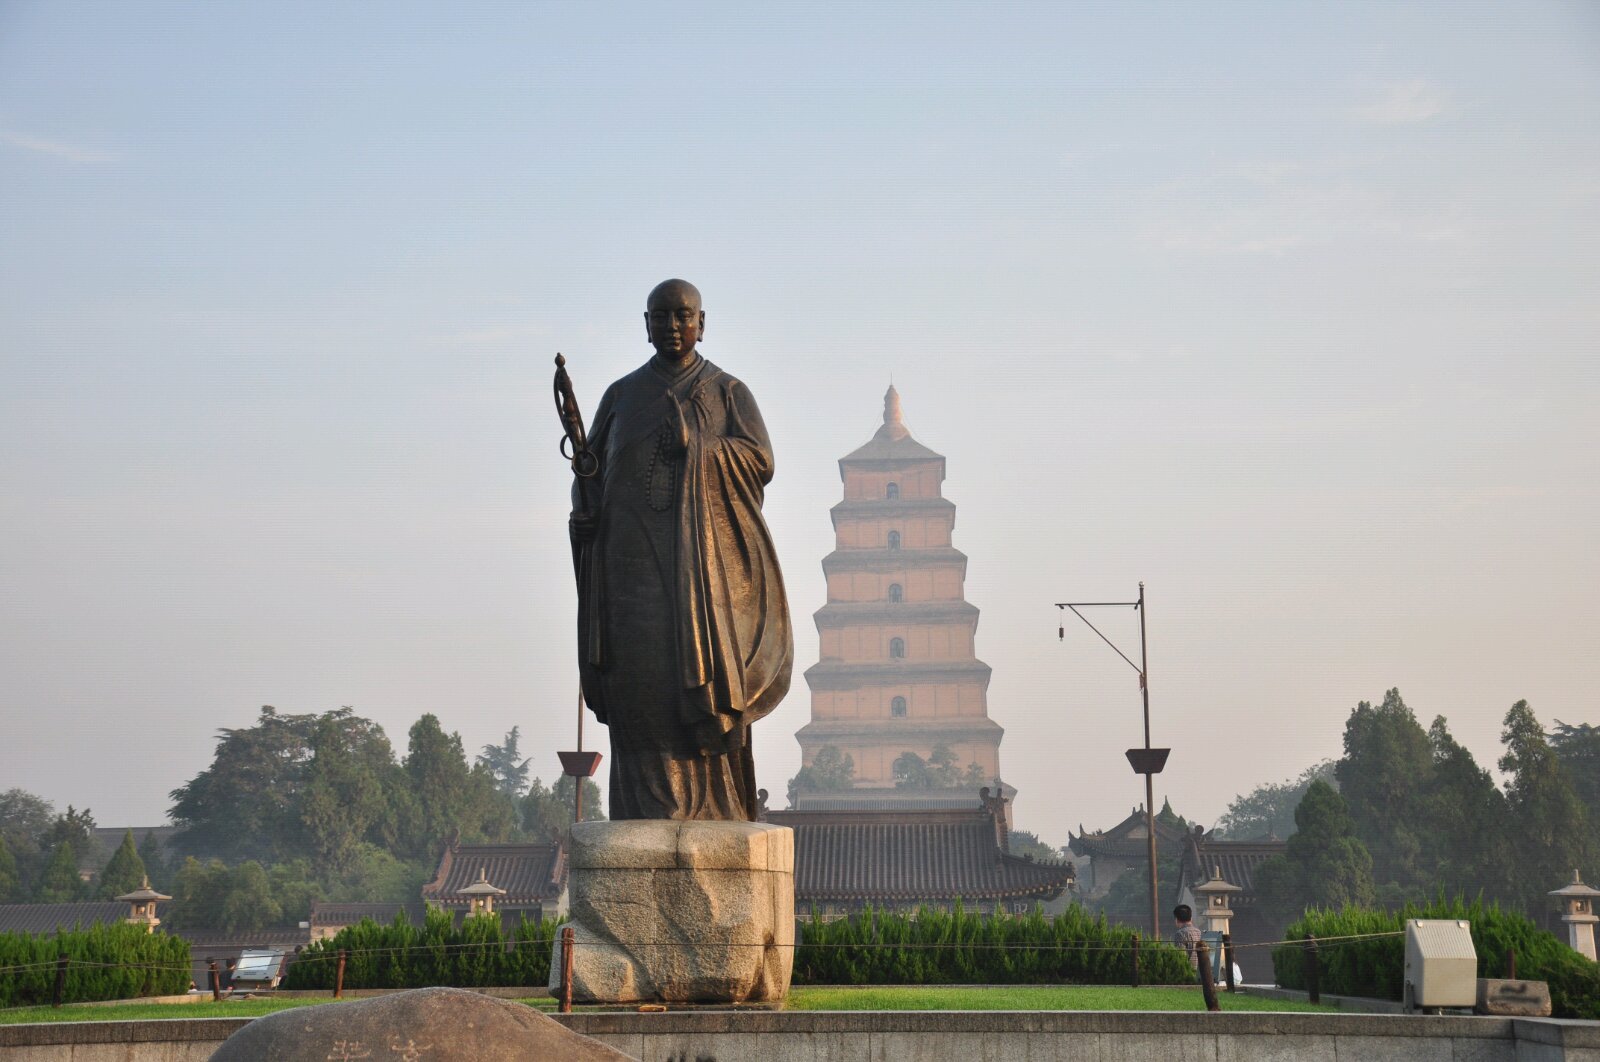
(49, 917)
(911, 856)
(329, 915)
(530, 873)
(1125, 840)
(1238, 861)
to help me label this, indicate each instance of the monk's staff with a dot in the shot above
(574, 445)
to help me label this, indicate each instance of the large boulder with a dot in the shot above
(424, 1025)
(680, 912)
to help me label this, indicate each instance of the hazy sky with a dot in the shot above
(1289, 310)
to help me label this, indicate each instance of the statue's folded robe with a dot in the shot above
(684, 633)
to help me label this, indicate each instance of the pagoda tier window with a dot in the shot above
(894, 540)
(897, 648)
(896, 594)
(897, 707)
(892, 491)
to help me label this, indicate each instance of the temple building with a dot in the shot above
(897, 671)
(1111, 853)
(1237, 863)
(904, 860)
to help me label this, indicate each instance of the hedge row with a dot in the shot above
(959, 947)
(136, 963)
(477, 953)
(1376, 968)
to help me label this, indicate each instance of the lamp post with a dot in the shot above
(1146, 761)
(579, 766)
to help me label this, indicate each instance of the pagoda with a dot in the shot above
(897, 671)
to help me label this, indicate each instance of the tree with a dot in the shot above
(248, 902)
(24, 821)
(1578, 749)
(447, 796)
(507, 765)
(197, 894)
(124, 873)
(154, 860)
(911, 772)
(1324, 864)
(60, 882)
(10, 880)
(293, 784)
(1466, 843)
(938, 771)
(1384, 776)
(1128, 898)
(1268, 809)
(1551, 829)
(345, 798)
(830, 769)
(1027, 844)
(547, 812)
(246, 804)
(75, 828)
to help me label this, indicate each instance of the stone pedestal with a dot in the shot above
(680, 912)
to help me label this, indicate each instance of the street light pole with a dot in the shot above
(1146, 761)
(1149, 775)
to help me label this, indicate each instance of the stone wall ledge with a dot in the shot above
(163, 1030)
(1563, 1035)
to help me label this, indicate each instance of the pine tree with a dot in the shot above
(10, 881)
(1384, 774)
(1466, 842)
(154, 860)
(445, 795)
(1578, 749)
(344, 800)
(1324, 864)
(508, 766)
(1550, 838)
(124, 873)
(60, 882)
(547, 812)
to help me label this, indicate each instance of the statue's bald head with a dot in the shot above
(673, 293)
(673, 319)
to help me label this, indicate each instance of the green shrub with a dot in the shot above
(476, 954)
(108, 961)
(958, 947)
(1376, 968)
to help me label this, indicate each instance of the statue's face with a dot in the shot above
(674, 322)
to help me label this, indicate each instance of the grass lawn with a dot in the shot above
(1027, 997)
(228, 1008)
(1021, 997)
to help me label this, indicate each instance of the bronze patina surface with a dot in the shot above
(684, 637)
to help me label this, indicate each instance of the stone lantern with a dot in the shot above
(481, 894)
(142, 903)
(1214, 896)
(1577, 911)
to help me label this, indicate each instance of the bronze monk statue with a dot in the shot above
(684, 638)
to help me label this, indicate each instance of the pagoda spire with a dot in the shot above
(894, 425)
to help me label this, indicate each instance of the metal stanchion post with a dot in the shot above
(568, 939)
(1208, 980)
(62, 962)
